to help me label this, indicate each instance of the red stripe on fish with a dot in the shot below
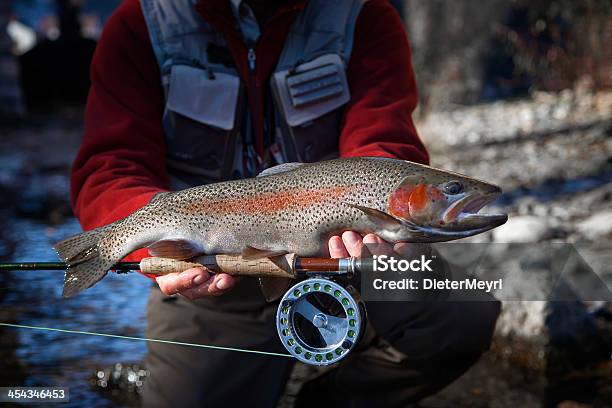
(268, 203)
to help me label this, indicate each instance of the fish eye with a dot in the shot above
(452, 187)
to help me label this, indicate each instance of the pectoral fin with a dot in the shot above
(382, 220)
(175, 249)
(251, 253)
(274, 288)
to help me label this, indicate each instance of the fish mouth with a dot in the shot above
(463, 215)
(461, 220)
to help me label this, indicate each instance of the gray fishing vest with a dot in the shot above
(204, 118)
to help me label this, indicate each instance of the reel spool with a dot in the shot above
(319, 321)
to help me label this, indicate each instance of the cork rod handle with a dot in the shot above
(280, 266)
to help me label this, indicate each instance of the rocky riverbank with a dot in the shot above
(552, 155)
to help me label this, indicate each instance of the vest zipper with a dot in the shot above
(253, 162)
(252, 58)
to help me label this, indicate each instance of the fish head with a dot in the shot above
(443, 205)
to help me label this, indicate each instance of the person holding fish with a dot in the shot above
(189, 93)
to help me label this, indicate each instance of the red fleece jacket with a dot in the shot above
(121, 163)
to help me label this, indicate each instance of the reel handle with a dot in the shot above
(277, 267)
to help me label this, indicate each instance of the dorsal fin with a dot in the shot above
(281, 168)
(158, 196)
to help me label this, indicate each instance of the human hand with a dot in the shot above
(351, 244)
(195, 283)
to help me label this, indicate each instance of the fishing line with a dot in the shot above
(117, 336)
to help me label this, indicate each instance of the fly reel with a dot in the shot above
(319, 321)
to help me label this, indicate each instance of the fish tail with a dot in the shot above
(82, 255)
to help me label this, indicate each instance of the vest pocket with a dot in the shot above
(199, 121)
(310, 96)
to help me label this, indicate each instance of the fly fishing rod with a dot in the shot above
(318, 320)
(285, 266)
(123, 267)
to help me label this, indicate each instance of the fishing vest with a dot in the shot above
(205, 121)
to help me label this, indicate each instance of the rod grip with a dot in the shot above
(277, 267)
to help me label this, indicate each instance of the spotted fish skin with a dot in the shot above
(292, 211)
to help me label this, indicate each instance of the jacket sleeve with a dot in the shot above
(121, 162)
(378, 119)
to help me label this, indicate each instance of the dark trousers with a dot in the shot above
(438, 342)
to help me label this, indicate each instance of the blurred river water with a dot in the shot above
(34, 214)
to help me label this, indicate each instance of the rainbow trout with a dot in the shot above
(290, 208)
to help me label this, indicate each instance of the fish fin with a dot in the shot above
(157, 196)
(384, 220)
(175, 249)
(412, 227)
(281, 168)
(85, 266)
(250, 253)
(274, 288)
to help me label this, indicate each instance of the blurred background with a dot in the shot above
(518, 92)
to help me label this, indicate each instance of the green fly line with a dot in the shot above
(117, 336)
